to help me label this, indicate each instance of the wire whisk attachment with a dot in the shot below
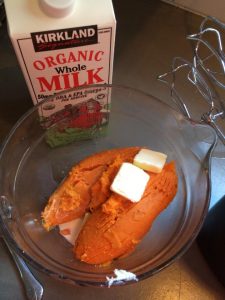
(205, 74)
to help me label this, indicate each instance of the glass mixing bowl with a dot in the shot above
(31, 167)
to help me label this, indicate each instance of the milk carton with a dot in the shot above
(63, 44)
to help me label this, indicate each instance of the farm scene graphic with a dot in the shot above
(73, 122)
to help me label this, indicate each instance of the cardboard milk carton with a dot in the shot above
(61, 45)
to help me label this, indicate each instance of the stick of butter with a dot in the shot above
(130, 182)
(150, 160)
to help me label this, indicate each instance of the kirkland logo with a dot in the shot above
(64, 38)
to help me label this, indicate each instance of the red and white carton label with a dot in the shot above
(58, 60)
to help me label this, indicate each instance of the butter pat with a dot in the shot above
(130, 182)
(150, 160)
(70, 230)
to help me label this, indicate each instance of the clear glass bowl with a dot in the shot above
(30, 170)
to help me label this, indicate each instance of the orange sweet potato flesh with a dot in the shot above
(86, 186)
(116, 227)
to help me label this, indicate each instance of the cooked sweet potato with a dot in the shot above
(87, 185)
(116, 227)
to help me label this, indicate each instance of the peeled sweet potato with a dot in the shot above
(118, 225)
(86, 186)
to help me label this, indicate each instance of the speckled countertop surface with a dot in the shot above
(149, 35)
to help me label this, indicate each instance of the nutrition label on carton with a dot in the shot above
(62, 59)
